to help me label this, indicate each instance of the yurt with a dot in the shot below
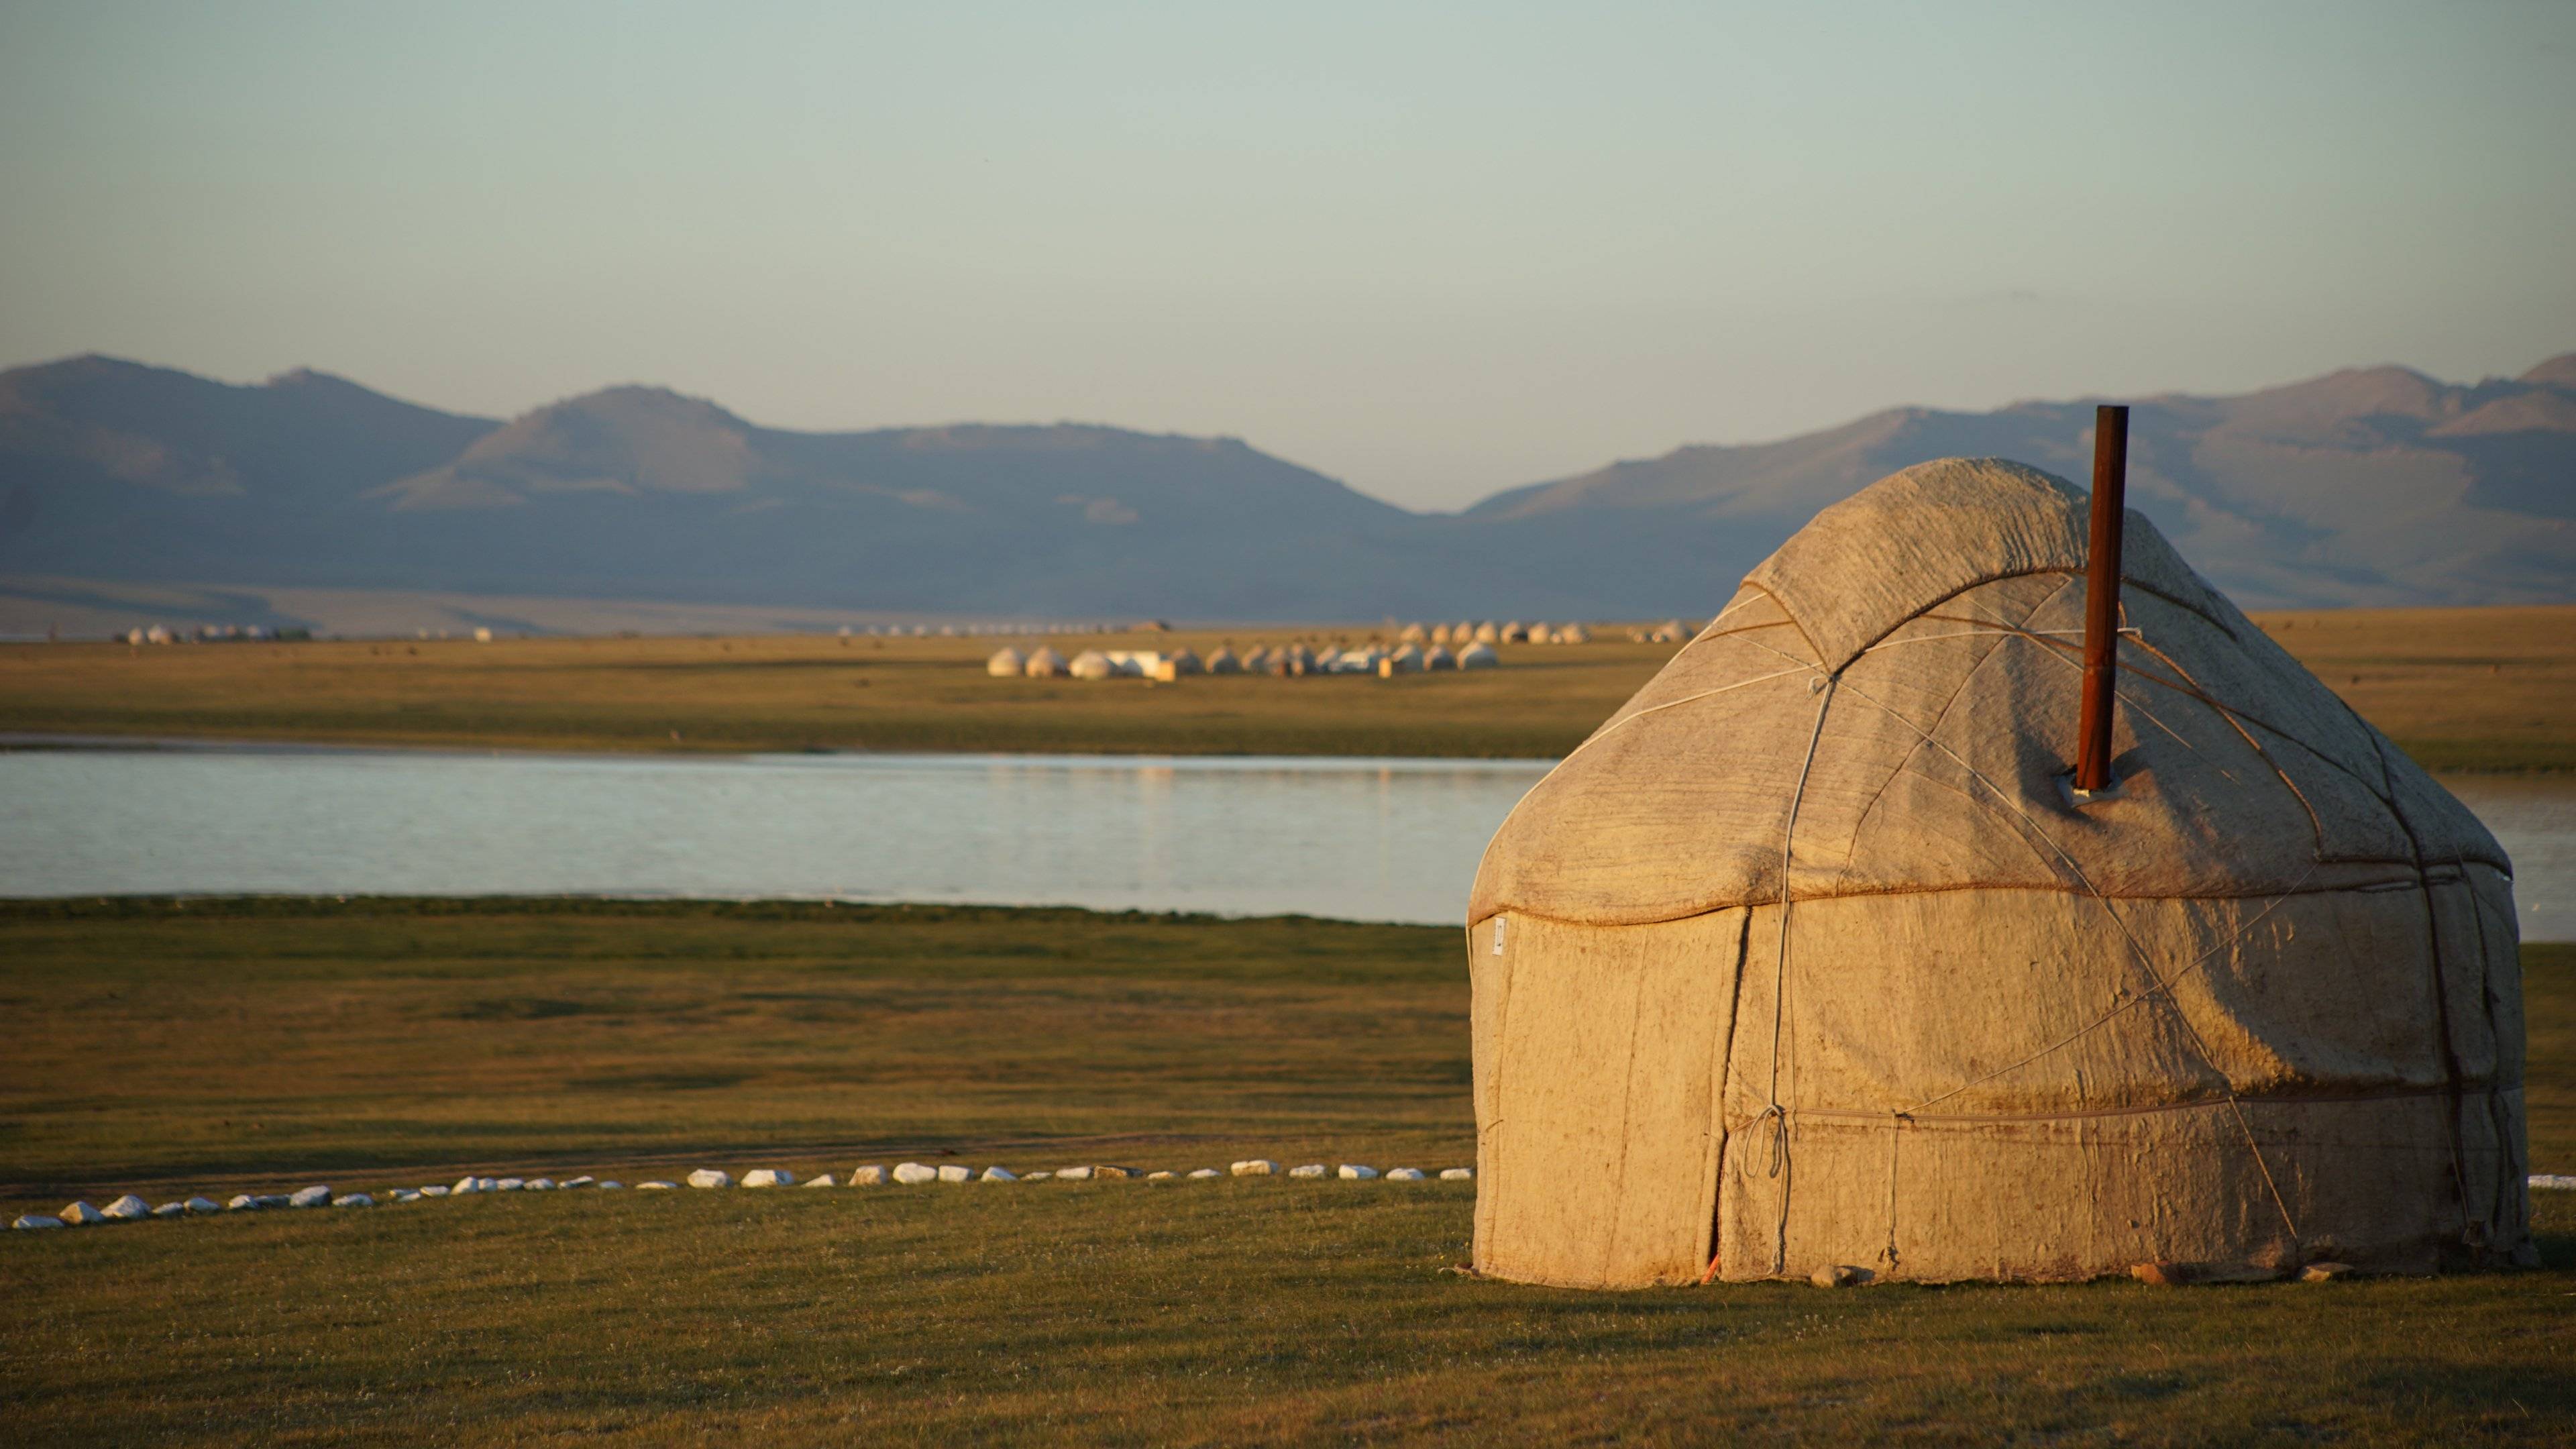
(1439, 657)
(1006, 664)
(1091, 664)
(1487, 633)
(1813, 958)
(1045, 663)
(1185, 660)
(1223, 661)
(1406, 660)
(1478, 656)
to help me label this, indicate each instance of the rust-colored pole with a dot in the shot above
(2102, 596)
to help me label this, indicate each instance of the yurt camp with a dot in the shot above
(1831, 952)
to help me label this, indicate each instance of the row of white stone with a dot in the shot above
(130, 1208)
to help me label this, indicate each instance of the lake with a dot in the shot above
(1358, 839)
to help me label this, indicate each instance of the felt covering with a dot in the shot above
(1810, 955)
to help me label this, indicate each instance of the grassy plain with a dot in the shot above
(166, 1047)
(2459, 688)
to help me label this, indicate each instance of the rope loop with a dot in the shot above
(1778, 1117)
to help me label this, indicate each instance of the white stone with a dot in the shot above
(826, 1180)
(82, 1215)
(541, 1184)
(242, 1203)
(435, 1190)
(1041, 1175)
(1205, 1172)
(1407, 1174)
(274, 1200)
(613, 1185)
(465, 1185)
(487, 1184)
(1000, 1174)
(128, 1208)
(510, 1184)
(202, 1205)
(170, 1210)
(768, 1177)
(871, 1175)
(1256, 1167)
(355, 1199)
(1161, 1176)
(2553, 1182)
(1356, 1172)
(710, 1177)
(954, 1173)
(1311, 1169)
(585, 1180)
(33, 1221)
(1457, 1174)
(1073, 1174)
(407, 1195)
(656, 1186)
(315, 1196)
(910, 1173)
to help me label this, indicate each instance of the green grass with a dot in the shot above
(361, 1043)
(179, 1041)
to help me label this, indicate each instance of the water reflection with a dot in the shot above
(1360, 839)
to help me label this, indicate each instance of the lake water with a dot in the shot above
(1359, 839)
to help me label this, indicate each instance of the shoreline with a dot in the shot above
(109, 742)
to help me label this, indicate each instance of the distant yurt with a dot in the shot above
(1258, 661)
(1439, 657)
(1045, 663)
(1006, 664)
(1407, 660)
(1478, 656)
(1811, 957)
(1185, 660)
(1223, 661)
(1572, 634)
(1091, 664)
(1413, 634)
(1488, 633)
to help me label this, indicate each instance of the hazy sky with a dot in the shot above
(1432, 250)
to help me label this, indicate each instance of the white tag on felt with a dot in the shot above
(1498, 935)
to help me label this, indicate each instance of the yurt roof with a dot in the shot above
(1889, 704)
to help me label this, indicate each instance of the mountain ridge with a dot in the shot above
(2373, 485)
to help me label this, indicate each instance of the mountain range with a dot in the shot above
(2370, 486)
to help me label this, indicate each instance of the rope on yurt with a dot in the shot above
(2509, 1173)
(1895, 1130)
(2451, 1075)
(1775, 1113)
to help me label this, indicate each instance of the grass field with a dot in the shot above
(170, 1048)
(2459, 688)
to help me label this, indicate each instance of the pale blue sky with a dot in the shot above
(1432, 250)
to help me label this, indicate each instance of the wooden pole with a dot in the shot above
(2102, 597)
